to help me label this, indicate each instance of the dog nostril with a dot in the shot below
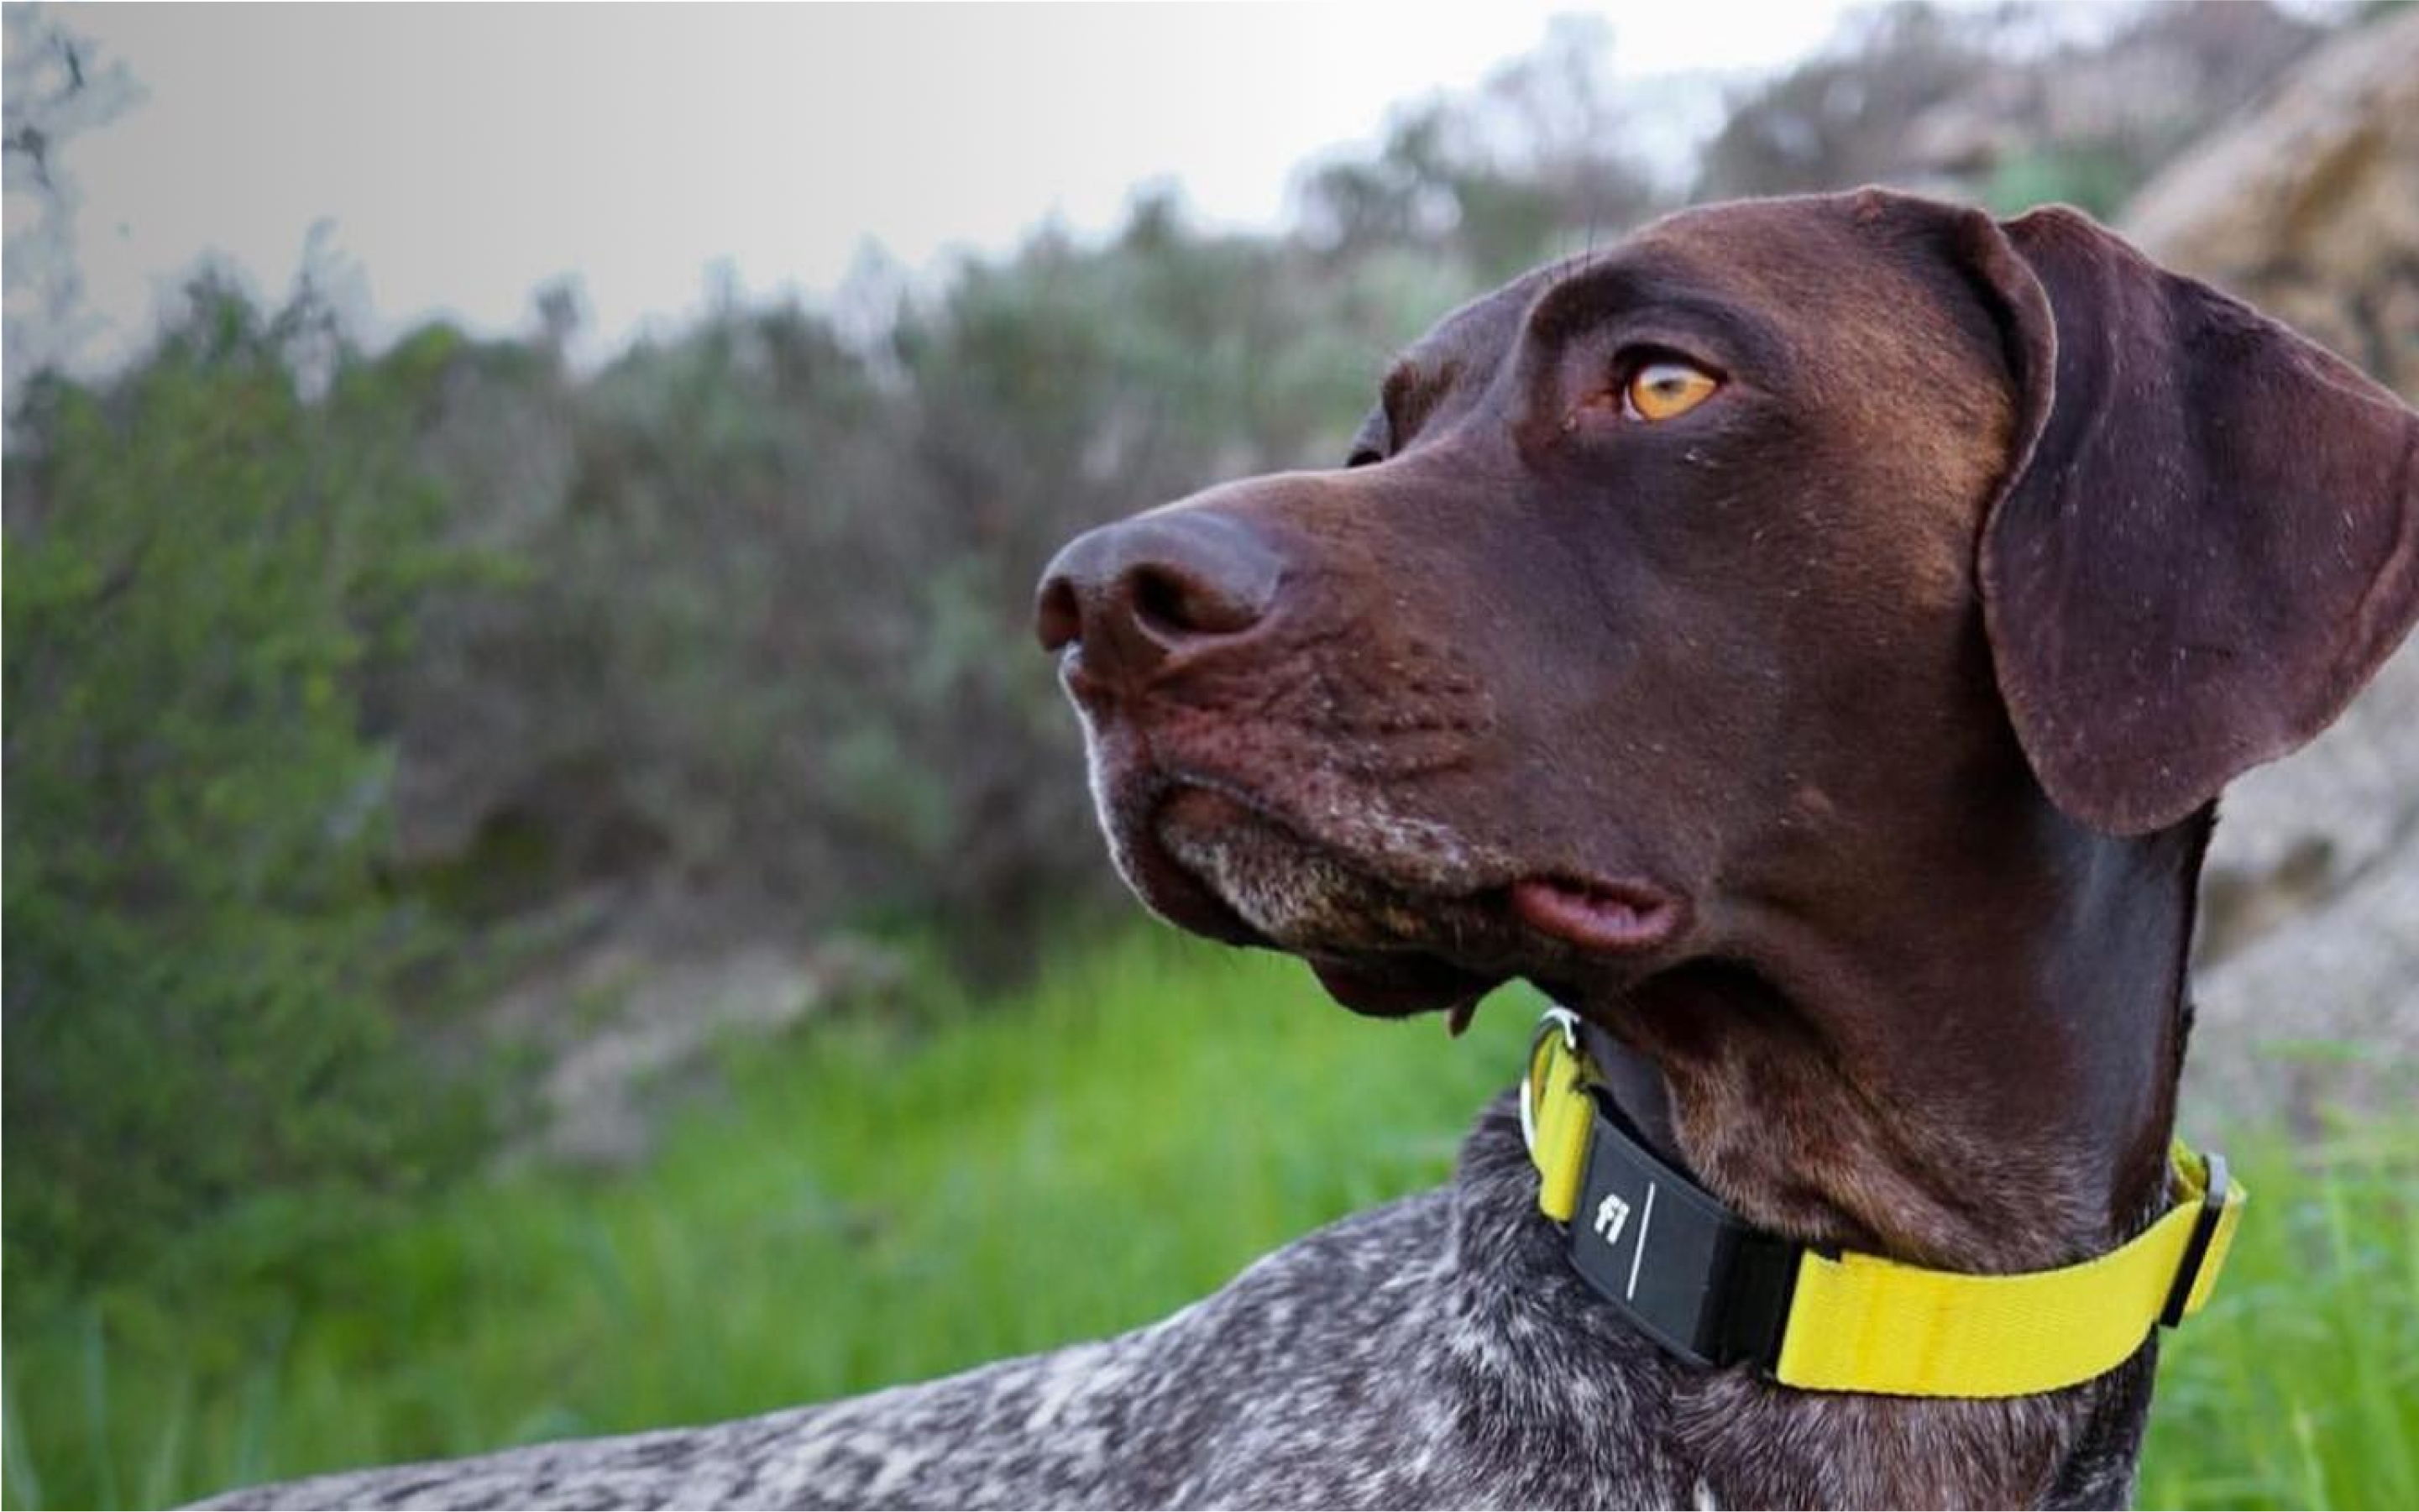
(1058, 615)
(1171, 603)
(1160, 602)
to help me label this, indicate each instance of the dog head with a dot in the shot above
(1728, 583)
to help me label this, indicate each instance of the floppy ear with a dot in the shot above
(2208, 537)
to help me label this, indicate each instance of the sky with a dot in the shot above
(461, 157)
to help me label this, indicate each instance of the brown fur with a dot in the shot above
(1922, 990)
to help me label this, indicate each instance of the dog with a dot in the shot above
(1807, 638)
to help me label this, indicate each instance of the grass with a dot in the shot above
(2299, 1384)
(871, 1203)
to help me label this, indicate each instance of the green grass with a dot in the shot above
(871, 1204)
(2299, 1384)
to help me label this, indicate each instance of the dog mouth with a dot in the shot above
(1390, 936)
(1610, 918)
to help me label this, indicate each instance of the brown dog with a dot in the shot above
(1808, 640)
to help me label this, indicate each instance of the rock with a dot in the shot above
(2321, 1011)
(2136, 96)
(2310, 208)
(2309, 944)
(2308, 956)
(621, 1026)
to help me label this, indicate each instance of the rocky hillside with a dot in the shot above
(2309, 954)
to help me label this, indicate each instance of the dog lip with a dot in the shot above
(1382, 982)
(1172, 891)
(1400, 985)
(1188, 792)
(1606, 917)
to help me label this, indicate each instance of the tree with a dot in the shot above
(203, 968)
(57, 89)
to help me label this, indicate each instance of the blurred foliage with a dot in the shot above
(327, 671)
(2001, 105)
(1537, 163)
(201, 962)
(766, 656)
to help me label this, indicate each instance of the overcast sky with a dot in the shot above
(464, 155)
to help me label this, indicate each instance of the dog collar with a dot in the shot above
(1717, 1291)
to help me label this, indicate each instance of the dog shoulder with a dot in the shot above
(1135, 1419)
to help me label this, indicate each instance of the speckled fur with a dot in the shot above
(1437, 1351)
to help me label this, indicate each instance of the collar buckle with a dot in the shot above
(1556, 1017)
(2205, 1229)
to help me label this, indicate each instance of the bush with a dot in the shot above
(768, 659)
(201, 962)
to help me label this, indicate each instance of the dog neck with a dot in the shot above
(1996, 1097)
(2000, 1099)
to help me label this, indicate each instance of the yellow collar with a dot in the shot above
(1713, 1288)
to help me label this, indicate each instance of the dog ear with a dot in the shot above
(2208, 537)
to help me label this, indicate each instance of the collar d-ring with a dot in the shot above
(1555, 1017)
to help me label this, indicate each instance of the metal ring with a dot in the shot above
(1555, 1015)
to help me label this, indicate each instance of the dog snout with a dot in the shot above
(1132, 596)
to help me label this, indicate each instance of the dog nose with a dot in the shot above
(1132, 594)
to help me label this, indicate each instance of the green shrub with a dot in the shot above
(2096, 178)
(200, 959)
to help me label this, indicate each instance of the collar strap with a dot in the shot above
(1713, 1288)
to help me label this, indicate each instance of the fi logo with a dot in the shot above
(1611, 1214)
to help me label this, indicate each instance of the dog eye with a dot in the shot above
(1661, 391)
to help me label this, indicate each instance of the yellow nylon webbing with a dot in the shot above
(1863, 1324)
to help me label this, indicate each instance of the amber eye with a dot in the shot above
(1661, 391)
